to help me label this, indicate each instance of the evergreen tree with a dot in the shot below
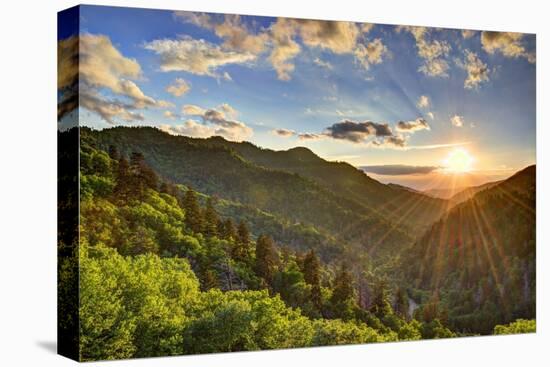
(241, 249)
(312, 276)
(401, 303)
(113, 153)
(193, 215)
(227, 230)
(343, 286)
(381, 305)
(210, 219)
(266, 258)
(123, 180)
(210, 280)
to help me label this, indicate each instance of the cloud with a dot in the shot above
(310, 136)
(357, 132)
(220, 121)
(192, 110)
(366, 27)
(170, 115)
(108, 110)
(197, 57)
(231, 29)
(507, 43)
(97, 65)
(324, 64)
(433, 52)
(178, 88)
(423, 102)
(394, 141)
(284, 48)
(477, 71)
(412, 126)
(457, 121)
(399, 169)
(338, 37)
(285, 133)
(467, 33)
(430, 115)
(370, 54)
(190, 128)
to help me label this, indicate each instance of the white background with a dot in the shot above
(28, 182)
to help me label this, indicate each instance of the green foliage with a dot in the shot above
(164, 270)
(517, 327)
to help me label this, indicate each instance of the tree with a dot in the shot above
(123, 180)
(401, 303)
(227, 230)
(144, 176)
(266, 258)
(210, 219)
(193, 215)
(343, 286)
(381, 305)
(241, 249)
(311, 270)
(113, 153)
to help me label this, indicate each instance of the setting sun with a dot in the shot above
(458, 161)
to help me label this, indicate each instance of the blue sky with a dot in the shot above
(340, 89)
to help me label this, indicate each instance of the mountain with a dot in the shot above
(479, 259)
(468, 192)
(402, 187)
(240, 173)
(404, 207)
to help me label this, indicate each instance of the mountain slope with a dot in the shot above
(479, 259)
(467, 193)
(405, 207)
(222, 172)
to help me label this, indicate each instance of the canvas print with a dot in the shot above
(236, 183)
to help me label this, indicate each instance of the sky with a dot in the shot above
(410, 105)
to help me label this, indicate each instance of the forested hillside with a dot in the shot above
(478, 261)
(186, 246)
(163, 272)
(219, 171)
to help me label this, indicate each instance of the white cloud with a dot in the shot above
(217, 121)
(507, 43)
(324, 64)
(423, 102)
(102, 67)
(457, 121)
(372, 53)
(170, 115)
(178, 88)
(467, 33)
(192, 110)
(433, 52)
(195, 56)
(477, 71)
(430, 115)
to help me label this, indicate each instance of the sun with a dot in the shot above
(458, 161)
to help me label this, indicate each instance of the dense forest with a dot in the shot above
(202, 245)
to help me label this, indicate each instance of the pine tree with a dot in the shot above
(123, 180)
(193, 215)
(241, 248)
(210, 219)
(227, 230)
(113, 153)
(210, 280)
(312, 276)
(266, 258)
(381, 305)
(343, 286)
(401, 303)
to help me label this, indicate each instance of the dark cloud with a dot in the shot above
(285, 133)
(396, 141)
(357, 132)
(310, 136)
(399, 169)
(412, 126)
